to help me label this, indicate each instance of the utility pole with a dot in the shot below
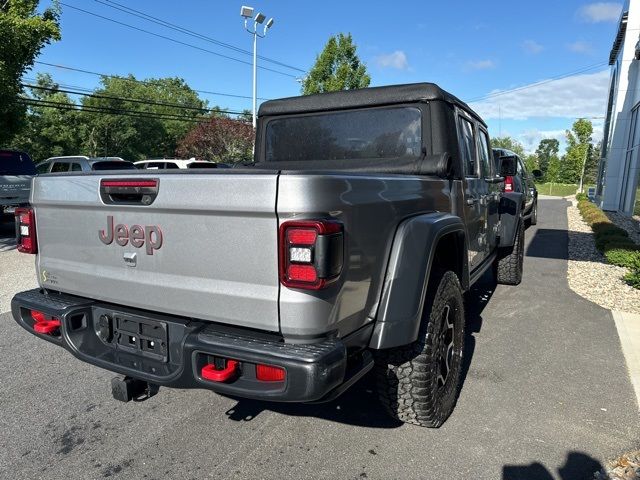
(247, 13)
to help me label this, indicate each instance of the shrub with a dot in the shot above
(633, 277)
(582, 197)
(612, 240)
(594, 217)
(627, 245)
(622, 257)
(603, 241)
(607, 229)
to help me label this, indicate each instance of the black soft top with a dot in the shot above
(365, 97)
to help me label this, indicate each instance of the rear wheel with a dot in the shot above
(419, 383)
(509, 263)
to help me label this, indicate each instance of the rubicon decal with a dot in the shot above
(149, 236)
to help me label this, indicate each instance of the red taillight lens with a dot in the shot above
(302, 273)
(269, 373)
(508, 184)
(302, 236)
(311, 253)
(26, 230)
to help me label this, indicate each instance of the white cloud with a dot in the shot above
(600, 12)
(480, 64)
(397, 60)
(531, 46)
(582, 95)
(530, 139)
(580, 46)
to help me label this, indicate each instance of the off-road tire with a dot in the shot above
(409, 378)
(508, 265)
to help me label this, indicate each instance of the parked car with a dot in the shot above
(175, 163)
(522, 182)
(290, 279)
(16, 171)
(82, 163)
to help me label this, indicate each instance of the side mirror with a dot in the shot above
(508, 166)
(537, 174)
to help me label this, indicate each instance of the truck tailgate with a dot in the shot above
(205, 248)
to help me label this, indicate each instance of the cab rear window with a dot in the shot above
(374, 133)
(16, 163)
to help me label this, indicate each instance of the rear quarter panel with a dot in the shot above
(370, 208)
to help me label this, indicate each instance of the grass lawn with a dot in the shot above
(556, 189)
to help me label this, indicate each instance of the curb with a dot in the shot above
(628, 326)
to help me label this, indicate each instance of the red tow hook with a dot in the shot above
(43, 325)
(209, 372)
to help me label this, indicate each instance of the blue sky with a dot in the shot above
(470, 48)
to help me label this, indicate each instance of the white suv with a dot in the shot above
(168, 163)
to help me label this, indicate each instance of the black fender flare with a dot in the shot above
(405, 285)
(510, 211)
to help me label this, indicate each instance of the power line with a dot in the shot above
(113, 111)
(132, 100)
(537, 84)
(180, 42)
(186, 31)
(98, 74)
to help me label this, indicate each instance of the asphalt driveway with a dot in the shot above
(546, 395)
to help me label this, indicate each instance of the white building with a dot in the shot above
(620, 164)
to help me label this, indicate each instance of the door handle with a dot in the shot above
(471, 201)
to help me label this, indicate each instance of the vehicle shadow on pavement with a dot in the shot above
(577, 466)
(549, 243)
(359, 405)
(7, 233)
(476, 299)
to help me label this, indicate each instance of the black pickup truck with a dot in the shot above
(346, 247)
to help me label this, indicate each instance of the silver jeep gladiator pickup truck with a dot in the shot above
(346, 247)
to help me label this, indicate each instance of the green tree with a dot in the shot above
(508, 143)
(50, 131)
(165, 109)
(531, 162)
(337, 68)
(553, 172)
(548, 148)
(578, 144)
(591, 168)
(23, 33)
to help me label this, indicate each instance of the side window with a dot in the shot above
(521, 170)
(43, 167)
(172, 165)
(75, 167)
(467, 147)
(60, 167)
(483, 154)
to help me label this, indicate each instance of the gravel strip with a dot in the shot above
(626, 467)
(588, 273)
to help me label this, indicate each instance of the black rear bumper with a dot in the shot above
(313, 371)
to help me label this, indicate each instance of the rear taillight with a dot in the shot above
(311, 253)
(26, 230)
(508, 183)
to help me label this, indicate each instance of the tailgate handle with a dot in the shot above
(129, 191)
(209, 372)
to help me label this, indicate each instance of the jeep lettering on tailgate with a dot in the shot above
(149, 235)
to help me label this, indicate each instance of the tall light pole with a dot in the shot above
(247, 13)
